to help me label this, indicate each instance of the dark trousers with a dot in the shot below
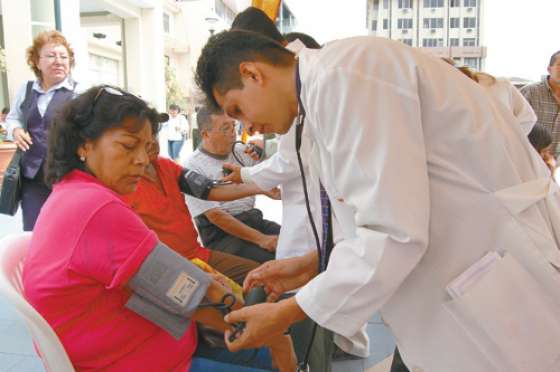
(320, 357)
(398, 364)
(216, 239)
(34, 193)
(234, 267)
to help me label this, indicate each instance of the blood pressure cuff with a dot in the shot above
(195, 184)
(167, 290)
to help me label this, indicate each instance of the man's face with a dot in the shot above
(554, 71)
(259, 104)
(222, 133)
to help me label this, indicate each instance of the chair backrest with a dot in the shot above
(13, 249)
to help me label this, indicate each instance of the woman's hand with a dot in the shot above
(280, 276)
(22, 139)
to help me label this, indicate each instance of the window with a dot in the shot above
(431, 43)
(469, 22)
(454, 3)
(405, 4)
(454, 22)
(469, 3)
(42, 16)
(407, 41)
(404, 23)
(385, 24)
(103, 70)
(433, 3)
(469, 42)
(385, 4)
(166, 22)
(471, 62)
(433, 22)
(454, 42)
(374, 24)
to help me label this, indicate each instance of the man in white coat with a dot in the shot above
(450, 222)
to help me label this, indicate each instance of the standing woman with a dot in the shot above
(37, 102)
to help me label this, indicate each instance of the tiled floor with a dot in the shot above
(17, 353)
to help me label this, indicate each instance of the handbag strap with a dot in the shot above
(28, 97)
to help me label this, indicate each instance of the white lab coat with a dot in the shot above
(296, 236)
(426, 176)
(508, 95)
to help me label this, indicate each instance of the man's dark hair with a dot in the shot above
(553, 58)
(307, 40)
(175, 107)
(540, 137)
(204, 117)
(254, 19)
(5, 110)
(87, 117)
(218, 64)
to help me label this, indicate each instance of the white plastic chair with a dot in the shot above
(13, 249)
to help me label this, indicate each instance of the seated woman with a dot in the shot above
(118, 298)
(160, 203)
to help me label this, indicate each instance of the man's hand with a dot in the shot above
(235, 174)
(275, 194)
(264, 323)
(255, 149)
(268, 242)
(22, 139)
(280, 276)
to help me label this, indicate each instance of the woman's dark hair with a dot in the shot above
(256, 20)
(87, 117)
(218, 64)
(540, 137)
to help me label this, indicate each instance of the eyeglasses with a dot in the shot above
(53, 57)
(84, 119)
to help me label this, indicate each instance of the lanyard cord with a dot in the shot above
(303, 366)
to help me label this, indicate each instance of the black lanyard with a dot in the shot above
(303, 366)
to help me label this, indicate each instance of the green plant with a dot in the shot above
(174, 93)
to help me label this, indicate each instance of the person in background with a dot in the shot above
(84, 269)
(37, 102)
(176, 128)
(3, 115)
(234, 227)
(544, 97)
(541, 140)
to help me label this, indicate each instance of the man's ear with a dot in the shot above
(250, 72)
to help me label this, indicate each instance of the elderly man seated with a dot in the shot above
(234, 227)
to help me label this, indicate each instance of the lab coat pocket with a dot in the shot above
(510, 318)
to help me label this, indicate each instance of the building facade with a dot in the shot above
(445, 28)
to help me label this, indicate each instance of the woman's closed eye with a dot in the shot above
(129, 145)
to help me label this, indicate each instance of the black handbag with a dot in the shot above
(10, 193)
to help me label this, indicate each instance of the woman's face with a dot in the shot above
(119, 157)
(54, 63)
